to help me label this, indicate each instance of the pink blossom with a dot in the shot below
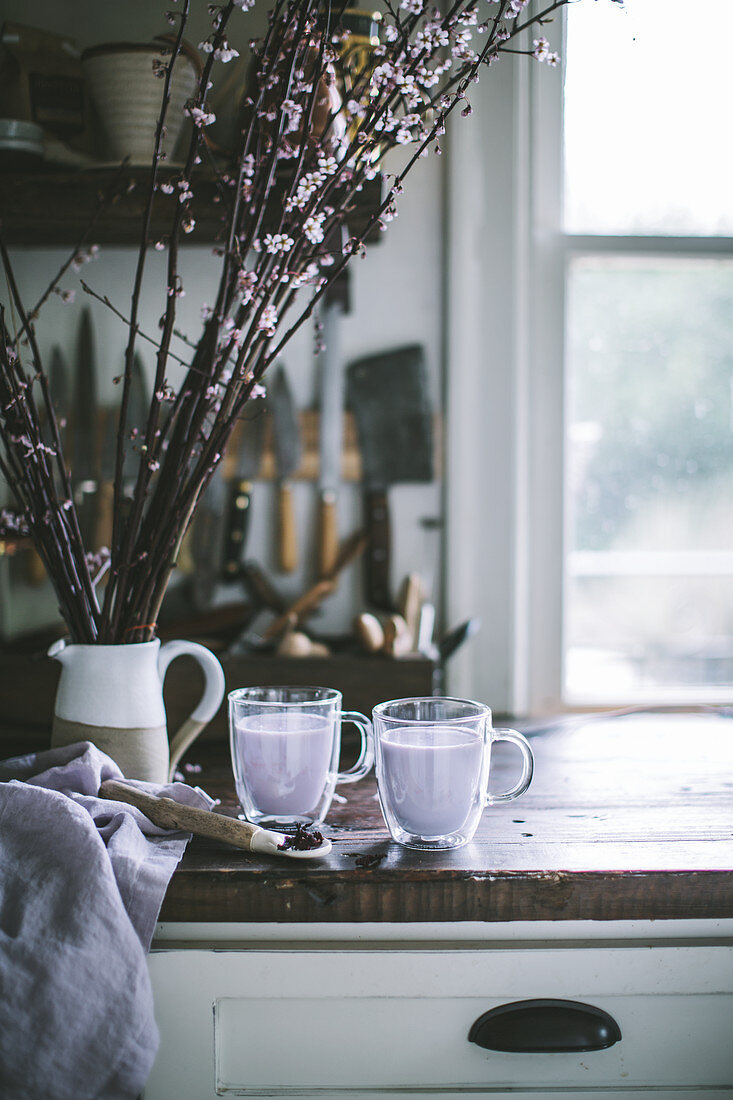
(268, 321)
(541, 48)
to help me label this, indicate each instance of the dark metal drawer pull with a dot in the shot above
(545, 1027)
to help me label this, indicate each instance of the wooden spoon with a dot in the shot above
(169, 814)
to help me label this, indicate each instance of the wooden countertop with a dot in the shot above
(627, 818)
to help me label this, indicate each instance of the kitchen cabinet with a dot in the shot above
(274, 1013)
(610, 883)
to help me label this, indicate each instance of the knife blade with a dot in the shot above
(239, 507)
(206, 541)
(388, 394)
(58, 383)
(86, 465)
(331, 408)
(287, 459)
(137, 413)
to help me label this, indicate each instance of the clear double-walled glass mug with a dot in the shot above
(285, 744)
(433, 758)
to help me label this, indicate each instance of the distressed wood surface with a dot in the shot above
(630, 818)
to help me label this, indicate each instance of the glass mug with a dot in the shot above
(432, 764)
(285, 744)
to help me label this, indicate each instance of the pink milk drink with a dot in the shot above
(432, 762)
(285, 758)
(285, 744)
(432, 777)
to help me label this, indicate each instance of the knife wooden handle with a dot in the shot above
(35, 570)
(305, 603)
(105, 505)
(238, 513)
(328, 536)
(287, 545)
(411, 600)
(261, 588)
(377, 554)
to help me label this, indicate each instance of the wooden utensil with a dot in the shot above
(169, 814)
(350, 551)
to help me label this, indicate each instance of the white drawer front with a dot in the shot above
(336, 1022)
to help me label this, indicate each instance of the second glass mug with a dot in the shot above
(285, 744)
(432, 761)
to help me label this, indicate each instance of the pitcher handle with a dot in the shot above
(209, 702)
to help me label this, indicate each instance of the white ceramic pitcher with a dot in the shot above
(112, 695)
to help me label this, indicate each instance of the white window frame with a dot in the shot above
(506, 262)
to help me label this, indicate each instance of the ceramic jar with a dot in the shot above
(112, 695)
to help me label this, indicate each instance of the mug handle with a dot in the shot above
(525, 779)
(207, 705)
(366, 756)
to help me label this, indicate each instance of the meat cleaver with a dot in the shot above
(388, 395)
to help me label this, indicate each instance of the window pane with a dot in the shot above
(649, 475)
(656, 638)
(647, 106)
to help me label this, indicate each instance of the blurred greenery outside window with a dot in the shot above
(648, 217)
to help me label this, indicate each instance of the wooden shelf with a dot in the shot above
(54, 207)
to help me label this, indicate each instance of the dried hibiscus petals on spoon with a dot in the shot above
(302, 840)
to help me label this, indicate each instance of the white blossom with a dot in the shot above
(278, 242)
(225, 53)
(201, 118)
(313, 228)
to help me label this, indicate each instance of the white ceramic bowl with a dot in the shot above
(18, 136)
(127, 96)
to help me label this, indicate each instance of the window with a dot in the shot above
(647, 610)
(589, 352)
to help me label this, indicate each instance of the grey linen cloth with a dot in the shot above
(82, 880)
